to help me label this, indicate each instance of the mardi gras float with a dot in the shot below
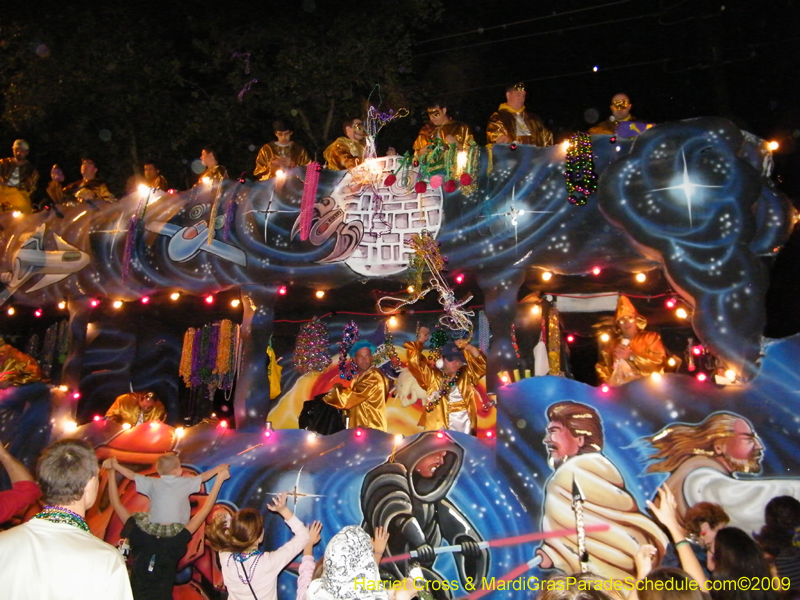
(690, 203)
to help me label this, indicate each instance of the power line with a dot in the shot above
(538, 33)
(482, 30)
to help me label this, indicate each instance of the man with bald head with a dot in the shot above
(620, 112)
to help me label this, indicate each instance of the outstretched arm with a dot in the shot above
(667, 514)
(206, 475)
(15, 469)
(199, 518)
(124, 471)
(113, 491)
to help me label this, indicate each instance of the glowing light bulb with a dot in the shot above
(179, 432)
(38, 312)
(96, 418)
(311, 437)
(730, 374)
(62, 305)
(62, 388)
(460, 278)
(773, 145)
(565, 145)
(94, 303)
(440, 434)
(359, 432)
(209, 299)
(398, 438)
(489, 434)
(223, 424)
(392, 321)
(280, 174)
(16, 214)
(570, 339)
(76, 395)
(410, 289)
(174, 296)
(126, 426)
(605, 337)
(536, 309)
(671, 362)
(655, 376)
(697, 350)
(143, 190)
(682, 314)
(701, 377)
(504, 379)
(604, 388)
(596, 271)
(145, 299)
(547, 275)
(117, 304)
(70, 425)
(670, 303)
(235, 302)
(268, 433)
(320, 294)
(282, 290)
(11, 311)
(206, 180)
(641, 277)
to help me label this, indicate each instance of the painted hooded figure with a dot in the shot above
(408, 496)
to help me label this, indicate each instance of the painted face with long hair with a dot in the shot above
(743, 450)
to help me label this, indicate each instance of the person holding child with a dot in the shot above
(155, 556)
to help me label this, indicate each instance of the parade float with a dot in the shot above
(473, 249)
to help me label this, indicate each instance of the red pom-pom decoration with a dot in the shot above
(420, 187)
(449, 186)
(390, 179)
(466, 179)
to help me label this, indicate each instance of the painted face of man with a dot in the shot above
(438, 115)
(561, 444)
(742, 451)
(628, 327)
(428, 466)
(147, 401)
(621, 107)
(356, 131)
(363, 359)
(88, 170)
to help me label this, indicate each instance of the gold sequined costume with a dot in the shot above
(609, 126)
(364, 400)
(431, 380)
(17, 184)
(92, 189)
(213, 174)
(648, 354)
(295, 152)
(18, 368)
(514, 123)
(126, 410)
(344, 154)
(430, 132)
